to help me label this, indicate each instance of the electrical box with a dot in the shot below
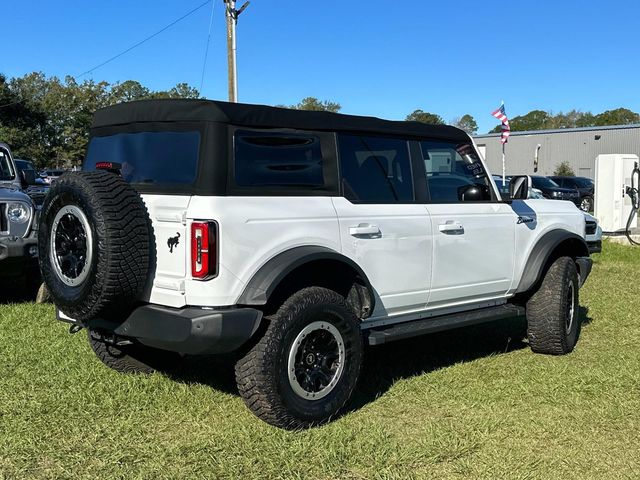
(612, 204)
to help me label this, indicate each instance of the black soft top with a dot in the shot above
(262, 116)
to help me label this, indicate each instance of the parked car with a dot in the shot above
(18, 235)
(51, 175)
(584, 185)
(294, 238)
(39, 189)
(552, 190)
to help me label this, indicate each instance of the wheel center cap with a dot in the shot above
(310, 359)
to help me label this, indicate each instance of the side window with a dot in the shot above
(454, 172)
(277, 159)
(375, 169)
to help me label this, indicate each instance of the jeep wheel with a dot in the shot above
(134, 358)
(553, 325)
(94, 244)
(306, 366)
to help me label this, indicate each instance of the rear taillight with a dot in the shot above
(204, 248)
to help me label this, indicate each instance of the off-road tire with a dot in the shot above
(548, 310)
(262, 374)
(135, 358)
(122, 240)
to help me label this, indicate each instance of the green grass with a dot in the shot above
(473, 403)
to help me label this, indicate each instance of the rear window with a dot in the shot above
(149, 157)
(277, 159)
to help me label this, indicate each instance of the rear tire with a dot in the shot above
(306, 366)
(135, 358)
(553, 325)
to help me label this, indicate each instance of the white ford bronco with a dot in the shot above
(295, 239)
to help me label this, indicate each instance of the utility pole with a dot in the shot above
(232, 21)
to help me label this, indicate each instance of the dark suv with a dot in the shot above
(551, 189)
(585, 187)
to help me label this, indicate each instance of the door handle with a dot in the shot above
(364, 229)
(453, 228)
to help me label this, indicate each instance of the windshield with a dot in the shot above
(148, 157)
(6, 169)
(543, 182)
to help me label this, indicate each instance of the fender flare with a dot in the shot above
(268, 277)
(542, 250)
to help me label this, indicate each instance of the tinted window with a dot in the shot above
(149, 157)
(375, 170)
(6, 170)
(452, 168)
(583, 182)
(543, 182)
(277, 159)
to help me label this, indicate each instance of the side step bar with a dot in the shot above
(379, 336)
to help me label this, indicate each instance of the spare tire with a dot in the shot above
(94, 243)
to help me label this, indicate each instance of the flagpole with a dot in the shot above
(504, 168)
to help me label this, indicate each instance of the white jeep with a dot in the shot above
(295, 238)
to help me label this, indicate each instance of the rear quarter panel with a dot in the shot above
(252, 230)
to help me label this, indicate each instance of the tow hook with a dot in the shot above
(75, 328)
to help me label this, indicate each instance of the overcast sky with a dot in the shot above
(375, 57)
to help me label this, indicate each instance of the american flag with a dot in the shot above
(502, 116)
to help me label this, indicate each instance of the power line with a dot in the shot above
(145, 40)
(206, 51)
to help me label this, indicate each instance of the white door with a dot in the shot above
(392, 244)
(473, 233)
(473, 252)
(382, 228)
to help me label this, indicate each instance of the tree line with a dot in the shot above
(47, 120)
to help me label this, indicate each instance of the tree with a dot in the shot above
(619, 116)
(425, 117)
(563, 169)
(313, 104)
(47, 120)
(466, 123)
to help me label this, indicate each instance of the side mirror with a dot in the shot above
(519, 187)
(28, 177)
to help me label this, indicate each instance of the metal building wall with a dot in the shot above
(578, 146)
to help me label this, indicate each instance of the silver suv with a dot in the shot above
(18, 236)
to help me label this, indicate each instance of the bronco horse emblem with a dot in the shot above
(173, 242)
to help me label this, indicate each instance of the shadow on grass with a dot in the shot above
(15, 290)
(386, 364)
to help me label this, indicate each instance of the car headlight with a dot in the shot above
(18, 213)
(556, 194)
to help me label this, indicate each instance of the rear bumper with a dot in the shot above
(190, 330)
(584, 268)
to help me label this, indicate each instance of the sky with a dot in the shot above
(374, 57)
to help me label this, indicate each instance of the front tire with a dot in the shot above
(306, 366)
(553, 326)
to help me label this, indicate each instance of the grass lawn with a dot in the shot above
(473, 403)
